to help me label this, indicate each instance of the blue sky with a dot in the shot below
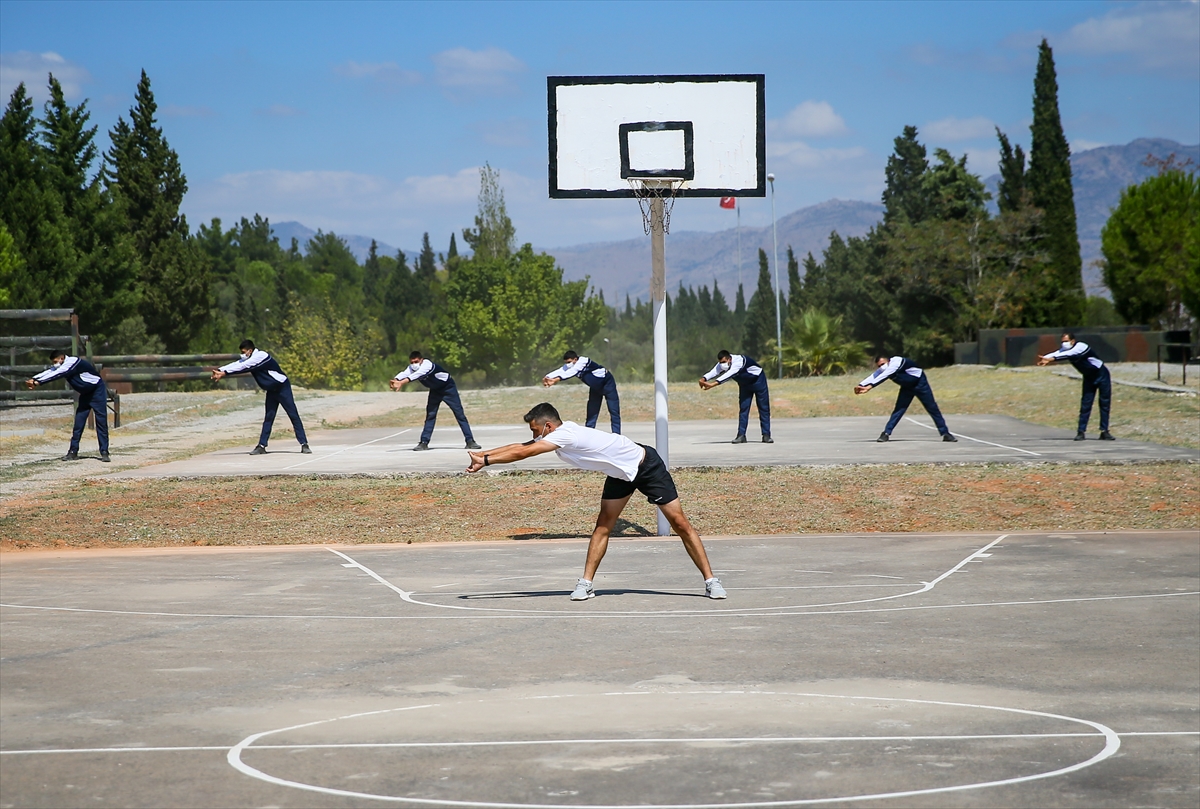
(373, 118)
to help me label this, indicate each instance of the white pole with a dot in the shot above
(775, 238)
(739, 217)
(658, 295)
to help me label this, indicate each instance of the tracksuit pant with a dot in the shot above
(757, 391)
(275, 398)
(449, 395)
(1103, 383)
(95, 402)
(608, 393)
(924, 395)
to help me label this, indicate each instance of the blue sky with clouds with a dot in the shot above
(373, 118)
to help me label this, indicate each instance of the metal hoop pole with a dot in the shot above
(658, 297)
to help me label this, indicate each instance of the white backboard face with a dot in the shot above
(709, 131)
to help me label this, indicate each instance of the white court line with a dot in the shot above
(639, 740)
(977, 440)
(924, 588)
(774, 611)
(1112, 743)
(346, 449)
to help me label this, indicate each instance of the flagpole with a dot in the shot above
(738, 207)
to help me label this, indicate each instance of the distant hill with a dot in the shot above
(1098, 176)
(360, 246)
(695, 258)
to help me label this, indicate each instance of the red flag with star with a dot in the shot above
(729, 202)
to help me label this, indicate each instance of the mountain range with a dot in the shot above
(694, 258)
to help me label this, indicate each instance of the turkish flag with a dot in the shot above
(729, 202)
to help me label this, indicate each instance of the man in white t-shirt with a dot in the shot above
(630, 467)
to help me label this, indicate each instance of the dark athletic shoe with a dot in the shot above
(421, 447)
(1105, 435)
(741, 439)
(259, 450)
(472, 445)
(1079, 436)
(768, 439)
(883, 438)
(104, 458)
(304, 450)
(949, 438)
(70, 456)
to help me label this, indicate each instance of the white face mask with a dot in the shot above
(568, 365)
(414, 366)
(1066, 346)
(724, 366)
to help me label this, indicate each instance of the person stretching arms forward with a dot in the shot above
(752, 384)
(81, 375)
(600, 382)
(913, 382)
(441, 389)
(270, 377)
(630, 467)
(1095, 378)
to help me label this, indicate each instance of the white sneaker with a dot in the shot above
(713, 588)
(584, 591)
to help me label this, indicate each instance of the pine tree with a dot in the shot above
(494, 234)
(145, 178)
(759, 326)
(903, 197)
(426, 268)
(1011, 192)
(795, 285)
(32, 211)
(1049, 184)
(372, 276)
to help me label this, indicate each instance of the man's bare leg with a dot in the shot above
(673, 511)
(610, 510)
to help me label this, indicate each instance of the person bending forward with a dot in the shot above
(270, 377)
(441, 389)
(83, 378)
(630, 467)
(600, 382)
(752, 385)
(1095, 378)
(913, 382)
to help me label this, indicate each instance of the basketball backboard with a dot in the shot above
(709, 132)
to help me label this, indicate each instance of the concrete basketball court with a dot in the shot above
(887, 670)
(803, 441)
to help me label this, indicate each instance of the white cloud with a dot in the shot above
(1153, 35)
(1080, 145)
(279, 111)
(34, 68)
(983, 162)
(949, 130)
(490, 70)
(799, 154)
(385, 74)
(811, 119)
(185, 111)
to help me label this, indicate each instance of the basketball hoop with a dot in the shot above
(646, 190)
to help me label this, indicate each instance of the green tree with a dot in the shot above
(814, 345)
(795, 285)
(511, 317)
(759, 325)
(320, 348)
(1049, 182)
(1149, 248)
(493, 235)
(951, 192)
(145, 178)
(11, 264)
(903, 195)
(1011, 191)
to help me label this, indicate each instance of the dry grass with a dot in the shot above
(268, 511)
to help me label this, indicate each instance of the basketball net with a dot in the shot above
(647, 190)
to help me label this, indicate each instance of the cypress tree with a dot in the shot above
(426, 268)
(1011, 192)
(146, 180)
(1049, 184)
(759, 326)
(903, 196)
(795, 285)
(372, 276)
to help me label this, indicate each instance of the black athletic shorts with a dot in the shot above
(653, 480)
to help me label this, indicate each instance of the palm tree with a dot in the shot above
(814, 346)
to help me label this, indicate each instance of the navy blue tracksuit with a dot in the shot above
(601, 387)
(441, 389)
(1095, 378)
(752, 385)
(270, 377)
(81, 375)
(913, 382)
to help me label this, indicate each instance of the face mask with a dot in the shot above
(414, 366)
(1066, 346)
(568, 365)
(724, 366)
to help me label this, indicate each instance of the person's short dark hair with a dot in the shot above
(570, 355)
(545, 412)
(247, 345)
(415, 355)
(1070, 335)
(55, 353)
(723, 355)
(883, 355)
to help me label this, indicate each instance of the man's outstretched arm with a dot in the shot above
(508, 454)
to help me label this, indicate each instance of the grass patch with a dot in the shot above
(523, 505)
